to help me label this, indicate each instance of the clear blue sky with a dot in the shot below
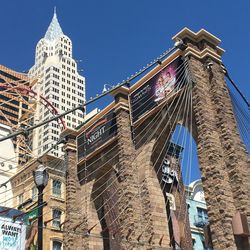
(116, 38)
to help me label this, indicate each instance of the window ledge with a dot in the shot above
(55, 229)
(57, 198)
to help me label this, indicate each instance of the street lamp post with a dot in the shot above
(41, 178)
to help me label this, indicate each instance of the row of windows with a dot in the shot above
(65, 40)
(55, 132)
(68, 75)
(68, 68)
(52, 68)
(55, 69)
(55, 125)
(55, 97)
(63, 80)
(68, 103)
(55, 104)
(56, 191)
(80, 87)
(55, 83)
(80, 94)
(56, 76)
(80, 80)
(68, 62)
(47, 84)
(55, 90)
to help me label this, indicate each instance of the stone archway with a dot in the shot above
(142, 220)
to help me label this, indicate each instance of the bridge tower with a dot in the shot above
(115, 198)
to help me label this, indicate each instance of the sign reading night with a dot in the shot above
(95, 136)
(156, 89)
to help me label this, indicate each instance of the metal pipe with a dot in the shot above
(40, 218)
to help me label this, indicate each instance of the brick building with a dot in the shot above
(114, 194)
(25, 199)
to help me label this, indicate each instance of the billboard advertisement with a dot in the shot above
(12, 234)
(96, 135)
(30, 219)
(156, 89)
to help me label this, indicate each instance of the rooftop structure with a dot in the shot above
(60, 83)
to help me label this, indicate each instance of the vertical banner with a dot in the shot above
(95, 136)
(12, 234)
(30, 220)
(155, 90)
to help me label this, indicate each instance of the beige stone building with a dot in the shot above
(25, 199)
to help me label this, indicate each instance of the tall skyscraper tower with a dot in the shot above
(59, 82)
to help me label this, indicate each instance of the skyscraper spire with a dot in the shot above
(51, 53)
(54, 30)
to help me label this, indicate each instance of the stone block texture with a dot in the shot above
(223, 157)
(115, 200)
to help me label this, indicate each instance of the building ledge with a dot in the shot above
(60, 199)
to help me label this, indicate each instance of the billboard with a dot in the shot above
(12, 234)
(30, 219)
(95, 136)
(156, 89)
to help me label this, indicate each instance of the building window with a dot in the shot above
(20, 199)
(201, 219)
(57, 188)
(57, 245)
(202, 213)
(34, 193)
(56, 218)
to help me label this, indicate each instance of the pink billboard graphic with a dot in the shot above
(156, 89)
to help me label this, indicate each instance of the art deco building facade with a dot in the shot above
(59, 82)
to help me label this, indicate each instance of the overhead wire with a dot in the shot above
(167, 141)
(103, 216)
(115, 146)
(139, 73)
(242, 119)
(49, 149)
(179, 70)
(82, 106)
